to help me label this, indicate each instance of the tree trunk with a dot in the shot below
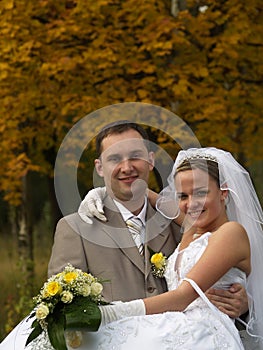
(55, 210)
(25, 242)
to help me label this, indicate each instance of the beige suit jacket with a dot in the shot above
(107, 251)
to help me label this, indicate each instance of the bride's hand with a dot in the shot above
(118, 310)
(92, 205)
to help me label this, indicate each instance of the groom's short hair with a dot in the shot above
(119, 127)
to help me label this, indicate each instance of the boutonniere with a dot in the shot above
(158, 262)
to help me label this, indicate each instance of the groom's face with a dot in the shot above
(125, 164)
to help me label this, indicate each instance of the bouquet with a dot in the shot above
(67, 301)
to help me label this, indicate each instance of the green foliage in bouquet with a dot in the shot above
(67, 301)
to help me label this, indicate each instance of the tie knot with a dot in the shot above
(135, 225)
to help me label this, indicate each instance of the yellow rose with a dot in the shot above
(52, 288)
(42, 312)
(70, 276)
(158, 259)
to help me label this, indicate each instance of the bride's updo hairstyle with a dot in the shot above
(208, 166)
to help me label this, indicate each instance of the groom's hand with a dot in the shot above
(232, 302)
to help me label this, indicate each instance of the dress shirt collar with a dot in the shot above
(126, 214)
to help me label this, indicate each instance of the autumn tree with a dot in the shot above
(61, 60)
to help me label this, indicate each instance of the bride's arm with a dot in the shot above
(92, 206)
(217, 259)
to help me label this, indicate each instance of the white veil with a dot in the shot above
(243, 206)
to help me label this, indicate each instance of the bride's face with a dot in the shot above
(200, 199)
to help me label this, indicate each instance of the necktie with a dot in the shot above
(135, 226)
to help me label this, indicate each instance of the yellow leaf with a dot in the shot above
(142, 93)
(9, 4)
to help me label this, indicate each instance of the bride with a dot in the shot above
(217, 198)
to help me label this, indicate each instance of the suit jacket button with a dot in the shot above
(150, 289)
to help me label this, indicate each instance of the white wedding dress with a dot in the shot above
(200, 327)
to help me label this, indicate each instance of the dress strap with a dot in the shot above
(214, 309)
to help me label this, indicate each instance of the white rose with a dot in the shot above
(85, 290)
(42, 312)
(66, 297)
(96, 288)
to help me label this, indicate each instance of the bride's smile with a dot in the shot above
(200, 199)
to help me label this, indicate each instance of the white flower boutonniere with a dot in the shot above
(159, 263)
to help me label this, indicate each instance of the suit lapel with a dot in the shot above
(117, 230)
(156, 234)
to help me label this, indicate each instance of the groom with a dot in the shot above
(107, 249)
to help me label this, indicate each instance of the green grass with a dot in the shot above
(10, 275)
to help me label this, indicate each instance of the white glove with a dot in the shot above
(119, 310)
(92, 205)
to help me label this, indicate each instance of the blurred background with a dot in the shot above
(61, 60)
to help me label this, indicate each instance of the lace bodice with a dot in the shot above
(181, 262)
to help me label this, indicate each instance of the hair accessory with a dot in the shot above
(197, 155)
